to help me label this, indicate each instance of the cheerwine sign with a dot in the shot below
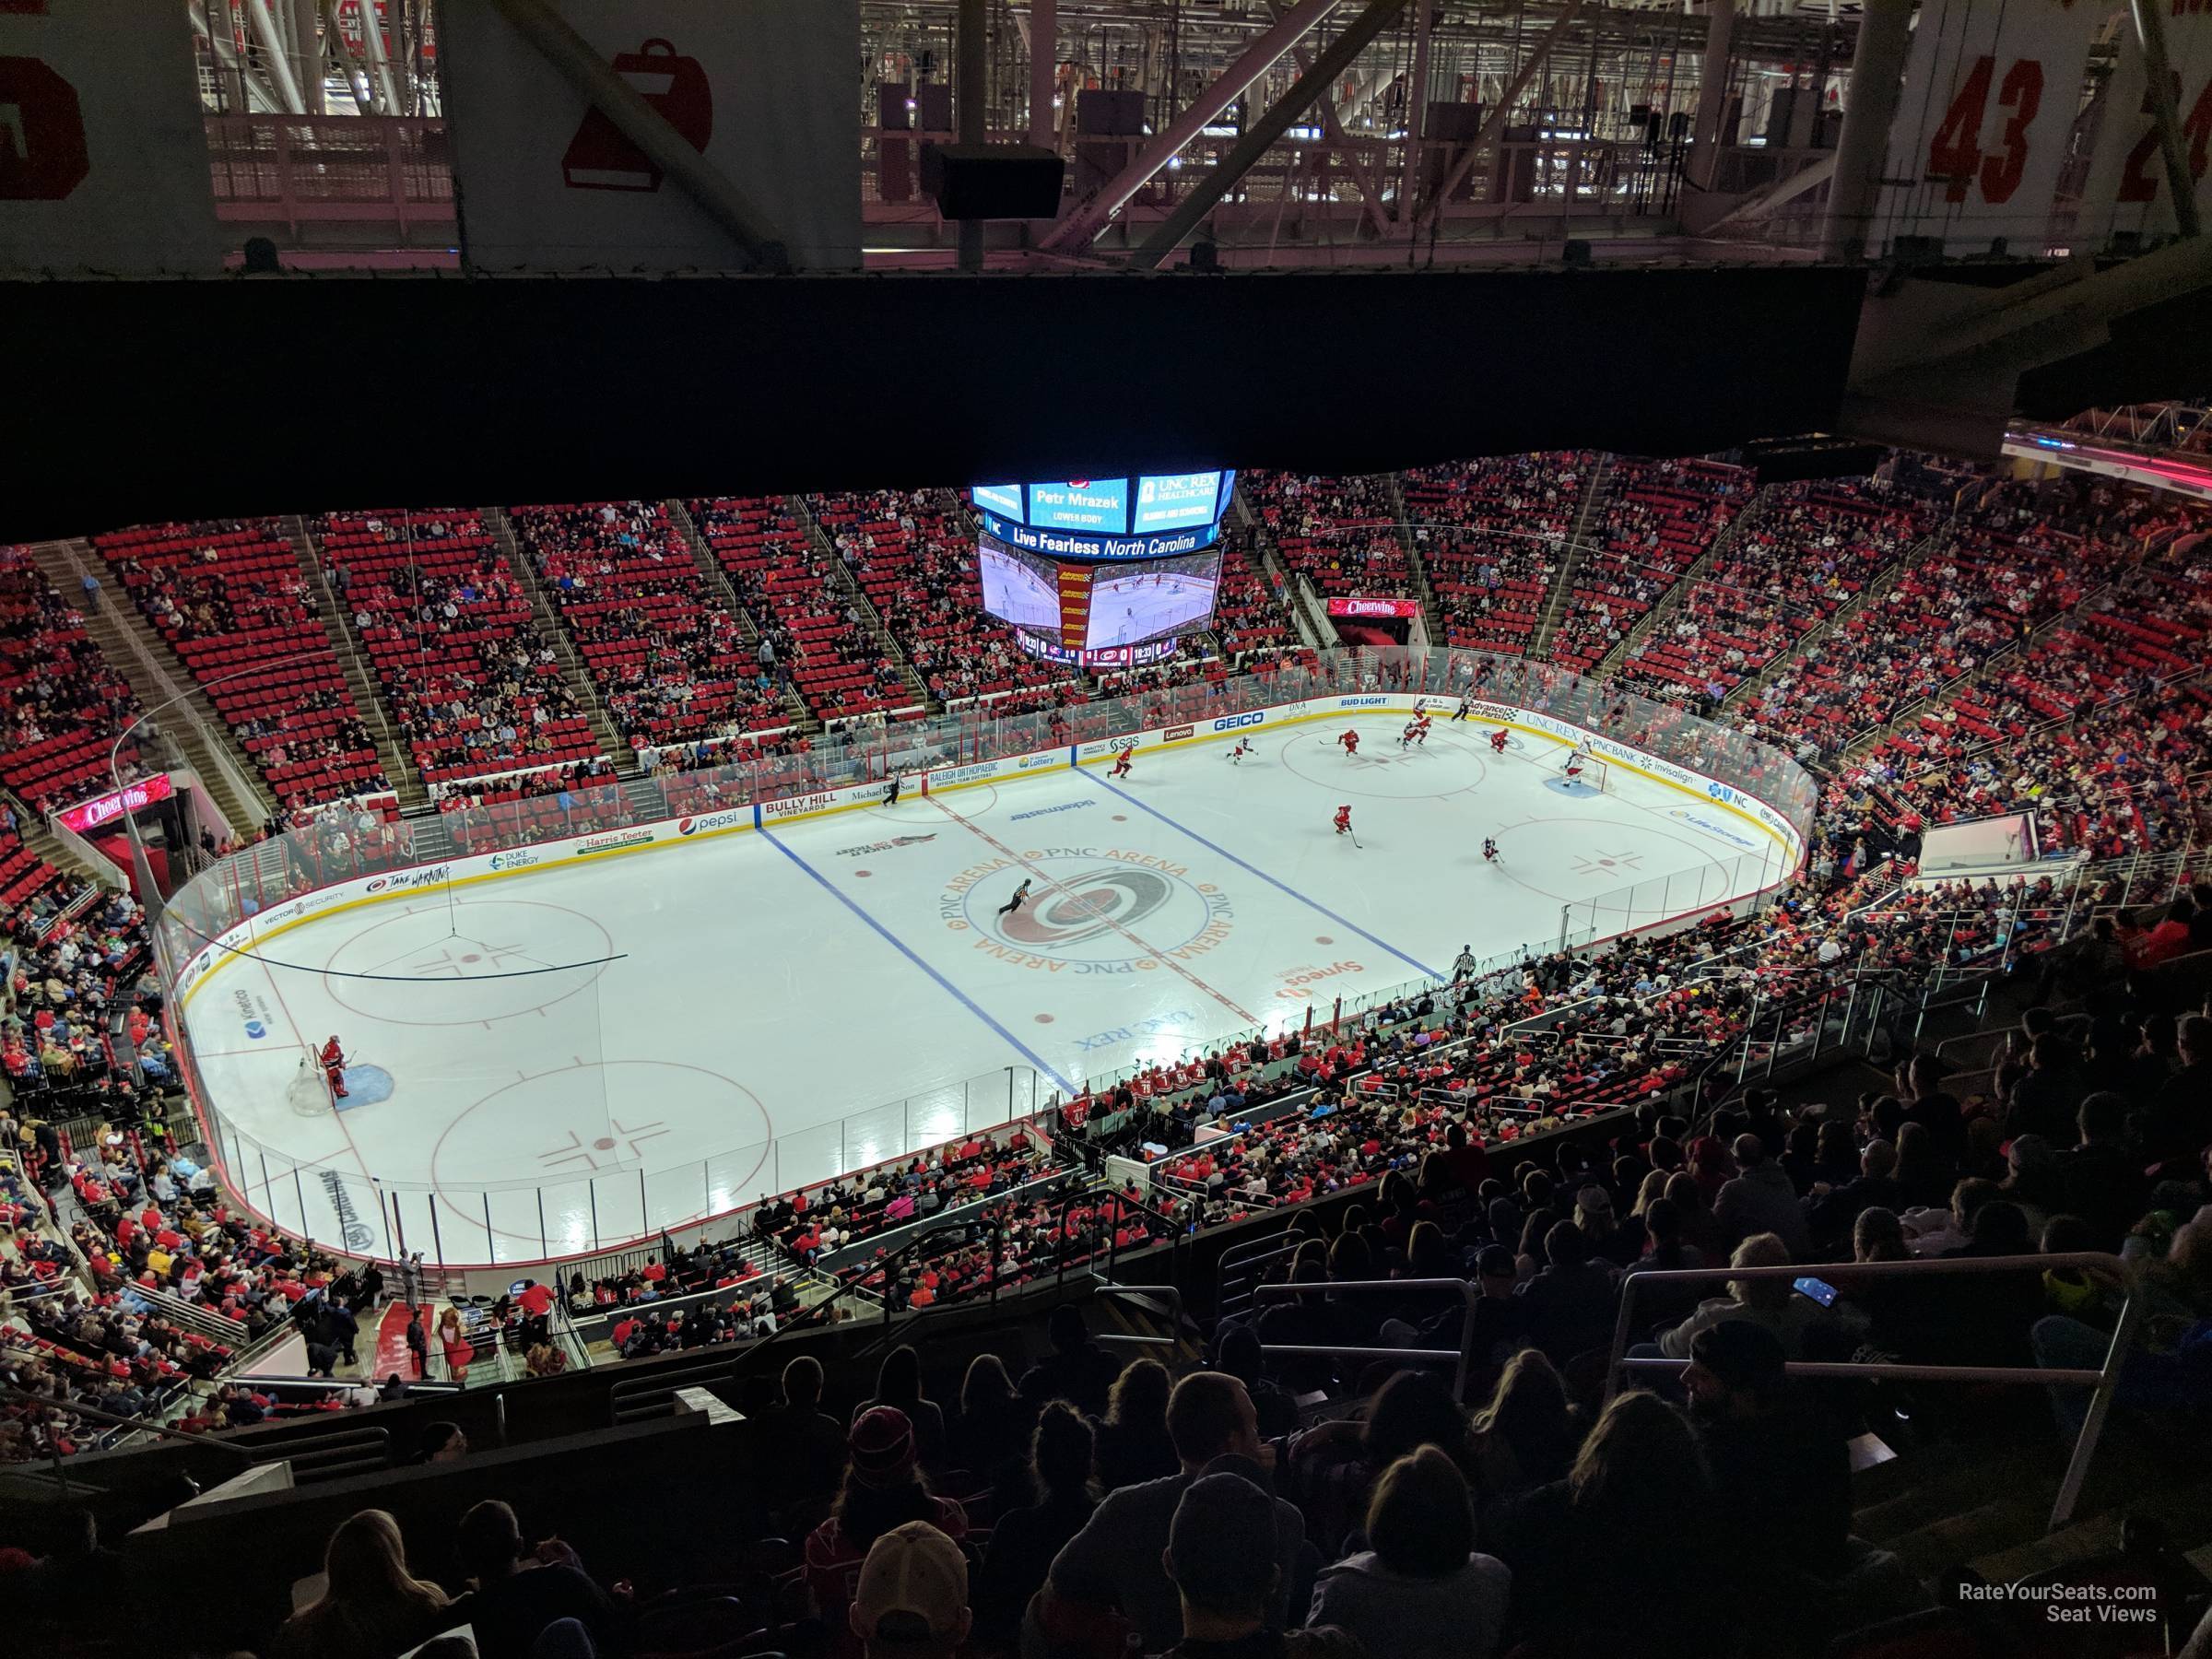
(1374, 607)
(120, 802)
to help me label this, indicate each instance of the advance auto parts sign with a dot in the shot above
(1090, 910)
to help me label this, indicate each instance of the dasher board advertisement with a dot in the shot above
(103, 152)
(768, 91)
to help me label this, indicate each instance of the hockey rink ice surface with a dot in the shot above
(770, 983)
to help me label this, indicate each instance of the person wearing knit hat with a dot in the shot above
(883, 1489)
(911, 1598)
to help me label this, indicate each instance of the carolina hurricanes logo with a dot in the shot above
(1091, 904)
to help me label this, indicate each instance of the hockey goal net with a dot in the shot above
(1579, 768)
(309, 1092)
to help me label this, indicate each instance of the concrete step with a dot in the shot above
(384, 724)
(574, 675)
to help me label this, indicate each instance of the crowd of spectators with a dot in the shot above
(1810, 550)
(230, 598)
(1249, 614)
(1341, 533)
(62, 706)
(77, 1016)
(449, 633)
(1657, 519)
(914, 556)
(811, 1224)
(815, 630)
(669, 663)
(1491, 534)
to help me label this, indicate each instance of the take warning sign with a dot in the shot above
(103, 155)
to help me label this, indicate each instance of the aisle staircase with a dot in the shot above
(1594, 494)
(842, 580)
(725, 591)
(399, 765)
(166, 689)
(1872, 594)
(1669, 603)
(573, 675)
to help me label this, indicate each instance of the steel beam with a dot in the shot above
(1371, 197)
(1045, 65)
(1877, 66)
(1494, 122)
(2158, 81)
(1261, 135)
(1081, 227)
(970, 75)
(1712, 94)
(615, 98)
(377, 61)
(1416, 113)
(272, 44)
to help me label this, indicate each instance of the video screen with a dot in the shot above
(1018, 587)
(1098, 506)
(1177, 502)
(1004, 499)
(1133, 603)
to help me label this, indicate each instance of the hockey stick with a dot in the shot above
(1356, 846)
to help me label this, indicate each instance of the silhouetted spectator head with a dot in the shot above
(1566, 1245)
(1421, 1521)
(1878, 1236)
(1760, 1249)
(1221, 1550)
(2102, 1119)
(1496, 1270)
(2000, 1228)
(1061, 1450)
(1210, 1413)
(490, 1542)
(441, 1442)
(1640, 1467)
(1065, 1328)
(1139, 1396)
(1749, 1151)
(802, 1384)
(1415, 1408)
(1736, 1369)
(911, 1595)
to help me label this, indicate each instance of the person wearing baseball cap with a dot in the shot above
(911, 1598)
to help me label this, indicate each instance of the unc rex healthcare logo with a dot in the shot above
(1090, 910)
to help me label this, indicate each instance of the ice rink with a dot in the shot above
(670, 1035)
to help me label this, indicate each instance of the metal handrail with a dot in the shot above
(1462, 1357)
(2105, 1380)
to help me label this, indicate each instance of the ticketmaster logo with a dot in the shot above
(1048, 811)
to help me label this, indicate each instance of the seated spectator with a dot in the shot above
(515, 1599)
(1781, 1473)
(1077, 1369)
(1527, 1434)
(911, 1599)
(993, 1428)
(1613, 1558)
(1110, 1575)
(1769, 1303)
(1418, 1590)
(882, 1489)
(1332, 1468)
(898, 1386)
(1760, 1199)
(1570, 1300)
(1218, 1538)
(1025, 1540)
(1133, 1445)
(371, 1607)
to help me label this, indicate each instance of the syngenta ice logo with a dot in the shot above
(1094, 903)
(1229, 722)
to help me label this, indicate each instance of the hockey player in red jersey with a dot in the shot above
(1490, 851)
(1497, 741)
(333, 1068)
(1352, 743)
(1120, 762)
(1344, 820)
(1236, 756)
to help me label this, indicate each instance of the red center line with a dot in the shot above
(1053, 887)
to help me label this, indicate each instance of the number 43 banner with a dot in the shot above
(1991, 92)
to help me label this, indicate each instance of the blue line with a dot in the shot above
(1270, 880)
(951, 990)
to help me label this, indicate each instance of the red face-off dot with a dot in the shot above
(1324, 939)
(863, 872)
(1121, 818)
(472, 957)
(1044, 1019)
(605, 1144)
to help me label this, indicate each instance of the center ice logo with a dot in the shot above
(1113, 912)
(1094, 905)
